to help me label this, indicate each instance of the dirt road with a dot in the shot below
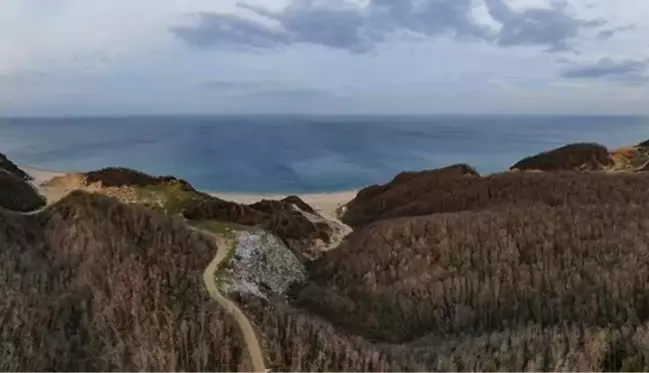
(248, 332)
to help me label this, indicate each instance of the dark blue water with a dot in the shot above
(299, 153)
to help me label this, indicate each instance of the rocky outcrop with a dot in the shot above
(17, 194)
(263, 266)
(573, 157)
(405, 188)
(300, 233)
(10, 167)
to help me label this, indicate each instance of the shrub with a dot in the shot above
(581, 156)
(17, 194)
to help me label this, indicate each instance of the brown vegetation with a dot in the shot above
(10, 167)
(92, 284)
(447, 271)
(17, 194)
(581, 156)
(532, 278)
(510, 272)
(488, 270)
(370, 202)
(473, 193)
(411, 179)
(296, 341)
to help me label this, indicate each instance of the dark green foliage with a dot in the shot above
(119, 176)
(17, 194)
(580, 156)
(10, 167)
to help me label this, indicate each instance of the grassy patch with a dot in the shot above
(221, 272)
(168, 198)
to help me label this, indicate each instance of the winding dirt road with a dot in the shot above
(209, 277)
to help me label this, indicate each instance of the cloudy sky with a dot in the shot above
(80, 57)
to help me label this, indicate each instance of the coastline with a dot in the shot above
(325, 203)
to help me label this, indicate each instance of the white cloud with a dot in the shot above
(79, 56)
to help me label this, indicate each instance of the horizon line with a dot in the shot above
(311, 115)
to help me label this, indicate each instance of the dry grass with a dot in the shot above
(172, 199)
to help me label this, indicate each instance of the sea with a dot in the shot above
(297, 153)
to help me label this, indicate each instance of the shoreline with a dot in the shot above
(325, 203)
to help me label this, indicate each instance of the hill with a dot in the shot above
(92, 284)
(432, 194)
(572, 157)
(10, 167)
(546, 275)
(446, 270)
(17, 194)
(291, 219)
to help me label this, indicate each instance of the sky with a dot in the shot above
(121, 57)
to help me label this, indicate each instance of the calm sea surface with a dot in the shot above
(299, 153)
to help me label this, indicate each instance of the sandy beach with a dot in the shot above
(325, 203)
